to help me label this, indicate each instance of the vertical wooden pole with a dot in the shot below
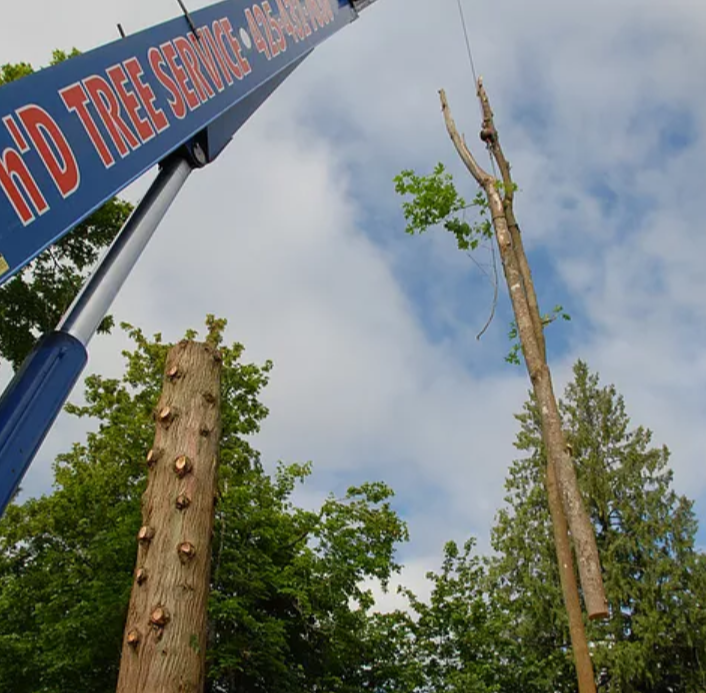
(569, 588)
(164, 647)
(565, 501)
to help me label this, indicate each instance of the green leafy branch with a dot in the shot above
(513, 356)
(435, 201)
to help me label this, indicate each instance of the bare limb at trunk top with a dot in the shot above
(493, 139)
(164, 648)
(579, 522)
(563, 493)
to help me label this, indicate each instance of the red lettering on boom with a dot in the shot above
(222, 40)
(327, 11)
(130, 102)
(277, 31)
(191, 63)
(14, 173)
(192, 99)
(175, 98)
(134, 69)
(296, 19)
(16, 134)
(208, 35)
(262, 20)
(236, 47)
(76, 101)
(52, 147)
(315, 15)
(257, 38)
(286, 21)
(105, 100)
(298, 10)
(206, 56)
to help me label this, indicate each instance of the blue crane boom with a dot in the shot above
(76, 134)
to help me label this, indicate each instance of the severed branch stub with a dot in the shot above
(166, 416)
(182, 465)
(153, 455)
(186, 551)
(564, 496)
(159, 617)
(173, 373)
(133, 638)
(145, 535)
(183, 501)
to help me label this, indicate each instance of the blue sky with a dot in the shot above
(378, 373)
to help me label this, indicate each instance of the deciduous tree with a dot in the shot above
(287, 612)
(436, 201)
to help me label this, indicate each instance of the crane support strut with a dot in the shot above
(74, 135)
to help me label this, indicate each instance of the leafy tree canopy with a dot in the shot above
(287, 610)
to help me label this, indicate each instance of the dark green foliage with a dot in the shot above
(459, 634)
(287, 612)
(33, 301)
(284, 579)
(498, 624)
(10, 73)
(655, 580)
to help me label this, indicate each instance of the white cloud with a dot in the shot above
(412, 577)
(295, 236)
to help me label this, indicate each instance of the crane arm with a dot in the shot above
(74, 135)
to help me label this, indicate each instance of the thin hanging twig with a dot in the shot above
(492, 279)
(495, 294)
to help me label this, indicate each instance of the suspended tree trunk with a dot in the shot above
(164, 649)
(564, 498)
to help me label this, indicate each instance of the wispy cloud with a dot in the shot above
(295, 235)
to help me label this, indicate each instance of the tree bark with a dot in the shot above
(562, 487)
(578, 519)
(562, 544)
(164, 648)
(515, 236)
(569, 588)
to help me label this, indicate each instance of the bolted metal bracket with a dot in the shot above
(359, 5)
(195, 151)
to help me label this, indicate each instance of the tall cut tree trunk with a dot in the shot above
(564, 497)
(164, 649)
(555, 443)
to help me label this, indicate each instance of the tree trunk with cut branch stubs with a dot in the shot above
(564, 497)
(164, 647)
